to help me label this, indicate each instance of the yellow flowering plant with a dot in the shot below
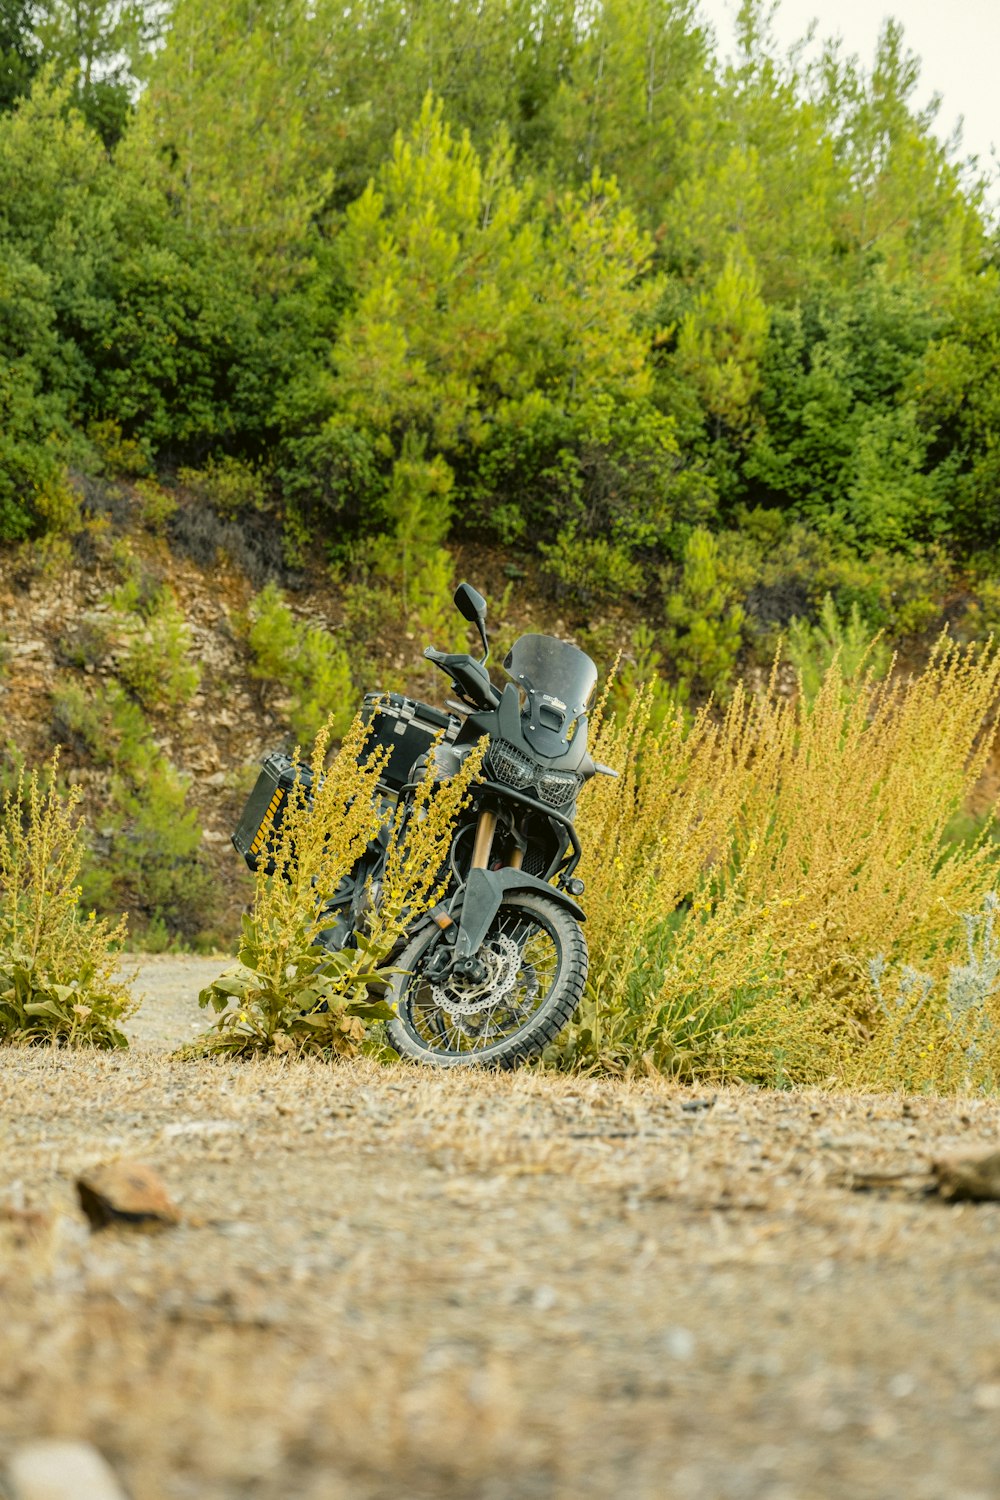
(744, 869)
(58, 969)
(287, 992)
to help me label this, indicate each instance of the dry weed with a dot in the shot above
(57, 967)
(741, 873)
(288, 992)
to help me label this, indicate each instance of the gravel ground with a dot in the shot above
(390, 1282)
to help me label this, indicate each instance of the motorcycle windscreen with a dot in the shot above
(558, 680)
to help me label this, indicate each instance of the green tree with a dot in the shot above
(628, 100)
(957, 390)
(720, 344)
(704, 621)
(101, 45)
(486, 331)
(760, 171)
(901, 201)
(19, 57)
(222, 129)
(841, 443)
(34, 429)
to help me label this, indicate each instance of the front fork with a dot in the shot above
(482, 848)
(457, 958)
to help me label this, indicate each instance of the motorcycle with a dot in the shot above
(497, 969)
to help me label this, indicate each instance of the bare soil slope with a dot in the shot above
(393, 1282)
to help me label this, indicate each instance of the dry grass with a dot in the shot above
(742, 873)
(392, 1282)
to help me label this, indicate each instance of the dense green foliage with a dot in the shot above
(719, 337)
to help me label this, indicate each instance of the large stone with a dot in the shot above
(55, 1469)
(125, 1192)
(971, 1177)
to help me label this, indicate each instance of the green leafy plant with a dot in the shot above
(590, 569)
(145, 857)
(58, 979)
(156, 506)
(704, 622)
(813, 647)
(156, 664)
(306, 660)
(226, 483)
(640, 672)
(107, 723)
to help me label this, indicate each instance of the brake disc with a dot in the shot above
(504, 957)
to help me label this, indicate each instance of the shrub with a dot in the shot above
(290, 993)
(119, 454)
(156, 506)
(589, 570)
(812, 649)
(981, 618)
(107, 724)
(790, 568)
(12, 762)
(88, 641)
(227, 484)
(304, 659)
(253, 544)
(150, 857)
(705, 624)
(57, 968)
(738, 868)
(639, 670)
(146, 854)
(926, 1037)
(156, 664)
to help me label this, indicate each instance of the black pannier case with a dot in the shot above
(406, 729)
(257, 832)
(401, 725)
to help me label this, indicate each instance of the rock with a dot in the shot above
(125, 1192)
(971, 1177)
(56, 1469)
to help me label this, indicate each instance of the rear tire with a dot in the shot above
(539, 957)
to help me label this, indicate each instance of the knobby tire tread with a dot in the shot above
(572, 979)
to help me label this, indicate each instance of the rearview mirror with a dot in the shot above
(472, 607)
(470, 603)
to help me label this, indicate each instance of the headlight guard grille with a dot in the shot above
(507, 764)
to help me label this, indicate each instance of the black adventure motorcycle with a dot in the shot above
(496, 970)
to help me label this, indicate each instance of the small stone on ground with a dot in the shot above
(54, 1469)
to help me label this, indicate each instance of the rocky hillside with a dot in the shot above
(75, 620)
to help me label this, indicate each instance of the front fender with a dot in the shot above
(480, 899)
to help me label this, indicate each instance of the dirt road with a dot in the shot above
(395, 1283)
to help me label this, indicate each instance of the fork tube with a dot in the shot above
(483, 846)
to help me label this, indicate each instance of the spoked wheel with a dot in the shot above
(536, 961)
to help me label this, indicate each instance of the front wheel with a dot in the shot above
(536, 957)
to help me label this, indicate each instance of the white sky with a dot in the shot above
(957, 41)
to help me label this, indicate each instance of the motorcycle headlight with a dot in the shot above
(558, 787)
(510, 765)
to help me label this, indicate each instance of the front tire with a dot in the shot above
(537, 954)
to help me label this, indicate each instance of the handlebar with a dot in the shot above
(469, 676)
